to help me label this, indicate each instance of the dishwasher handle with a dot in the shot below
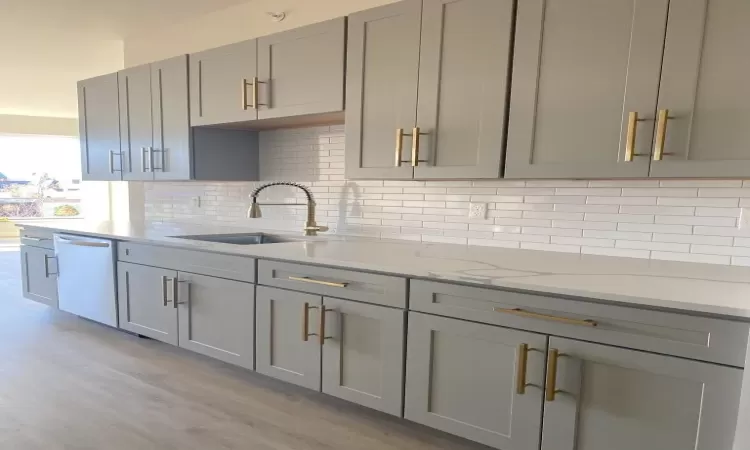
(84, 243)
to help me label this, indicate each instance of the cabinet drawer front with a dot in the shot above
(37, 237)
(702, 338)
(364, 287)
(203, 263)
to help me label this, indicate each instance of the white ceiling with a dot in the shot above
(107, 19)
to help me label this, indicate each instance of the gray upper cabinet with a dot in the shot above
(463, 81)
(136, 123)
(476, 381)
(427, 89)
(287, 344)
(221, 89)
(171, 153)
(146, 299)
(580, 68)
(154, 121)
(381, 88)
(301, 71)
(38, 273)
(99, 128)
(622, 399)
(216, 318)
(704, 91)
(363, 354)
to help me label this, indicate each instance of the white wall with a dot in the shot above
(40, 70)
(235, 24)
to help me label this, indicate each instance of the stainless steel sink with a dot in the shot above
(238, 239)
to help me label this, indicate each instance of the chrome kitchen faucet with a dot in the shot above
(311, 228)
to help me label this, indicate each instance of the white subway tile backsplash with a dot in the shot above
(693, 239)
(691, 257)
(681, 220)
(687, 220)
(627, 253)
(648, 228)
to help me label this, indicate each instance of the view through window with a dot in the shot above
(40, 177)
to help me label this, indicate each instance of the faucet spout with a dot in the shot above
(311, 228)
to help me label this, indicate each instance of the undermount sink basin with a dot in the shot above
(238, 239)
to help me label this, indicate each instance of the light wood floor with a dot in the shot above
(70, 384)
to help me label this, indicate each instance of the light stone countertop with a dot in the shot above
(704, 289)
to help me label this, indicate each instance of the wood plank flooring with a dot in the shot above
(70, 384)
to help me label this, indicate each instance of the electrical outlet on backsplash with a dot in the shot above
(682, 220)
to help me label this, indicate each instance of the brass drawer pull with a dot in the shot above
(661, 134)
(324, 283)
(532, 315)
(399, 146)
(254, 85)
(631, 137)
(550, 386)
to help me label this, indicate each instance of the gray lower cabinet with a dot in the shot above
(38, 273)
(363, 354)
(580, 68)
(360, 357)
(221, 89)
(216, 318)
(704, 98)
(475, 381)
(99, 128)
(301, 71)
(618, 399)
(146, 300)
(283, 350)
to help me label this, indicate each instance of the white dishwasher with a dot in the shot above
(86, 277)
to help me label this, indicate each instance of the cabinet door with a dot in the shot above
(220, 90)
(622, 399)
(99, 128)
(463, 378)
(216, 318)
(302, 70)
(463, 82)
(146, 301)
(136, 123)
(381, 88)
(363, 354)
(281, 349)
(38, 275)
(171, 119)
(705, 88)
(580, 68)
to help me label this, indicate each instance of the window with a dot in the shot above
(40, 176)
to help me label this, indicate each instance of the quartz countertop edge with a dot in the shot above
(699, 289)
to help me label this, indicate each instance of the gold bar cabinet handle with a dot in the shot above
(305, 321)
(550, 386)
(532, 315)
(322, 330)
(661, 134)
(631, 137)
(164, 281)
(321, 282)
(244, 94)
(399, 146)
(523, 357)
(415, 147)
(255, 92)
